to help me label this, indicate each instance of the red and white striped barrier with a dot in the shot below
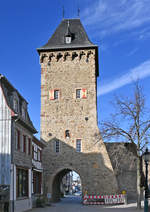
(104, 199)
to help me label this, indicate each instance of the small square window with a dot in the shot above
(56, 94)
(67, 134)
(78, 93)
(68, 39)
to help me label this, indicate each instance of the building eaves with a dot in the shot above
(40, 143)
(9, 85)
(24, 123)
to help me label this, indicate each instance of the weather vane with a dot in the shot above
(78, 12)
(63, 12)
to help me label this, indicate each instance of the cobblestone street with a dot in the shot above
(73, 204)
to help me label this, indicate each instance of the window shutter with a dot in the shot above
(24, 143)
(84, 93)
(51, 94)
(18, 144)
(29, 146)
(32, 151)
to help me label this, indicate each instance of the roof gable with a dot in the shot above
(10, 93)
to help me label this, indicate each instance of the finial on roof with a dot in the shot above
(63, 11)
(68, 29)
(78, 12)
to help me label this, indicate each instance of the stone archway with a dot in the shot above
(56, 183)
(94, 169)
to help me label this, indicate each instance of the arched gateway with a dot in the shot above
(69, 69)
(56, 181)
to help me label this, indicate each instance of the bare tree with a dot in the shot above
(131, 122)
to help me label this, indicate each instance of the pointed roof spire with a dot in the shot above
(63, 12)
(68, 32)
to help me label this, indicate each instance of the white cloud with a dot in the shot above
(110, 16)
(140, 72)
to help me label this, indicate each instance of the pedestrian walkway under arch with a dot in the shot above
(64, 184)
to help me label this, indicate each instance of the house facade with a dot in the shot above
(16, 143)
(37, 169)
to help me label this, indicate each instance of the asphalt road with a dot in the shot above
(73, 204)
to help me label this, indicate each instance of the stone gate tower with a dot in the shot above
(69, 70)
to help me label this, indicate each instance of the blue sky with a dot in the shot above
(120, 28)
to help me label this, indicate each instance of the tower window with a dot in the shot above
(78, 145)
(67, 134)
(57, 146)
(81, 93)
(68, 39)
(56, 94)
(78, 93)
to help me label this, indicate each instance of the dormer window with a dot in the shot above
(15, 104)
(24, 110)
(68, 39)
(15, 101)
(23, 113)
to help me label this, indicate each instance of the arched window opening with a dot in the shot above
(67, 134)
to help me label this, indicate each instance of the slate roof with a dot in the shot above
(8, 90)
(40, 142)
(79, 36)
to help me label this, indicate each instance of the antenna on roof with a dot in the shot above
(78, 12)
(63, 12)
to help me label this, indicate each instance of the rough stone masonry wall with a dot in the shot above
(67, 71)
(124, 162)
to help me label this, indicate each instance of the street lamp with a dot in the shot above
(146, 157)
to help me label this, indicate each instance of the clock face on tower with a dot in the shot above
(68, 39)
